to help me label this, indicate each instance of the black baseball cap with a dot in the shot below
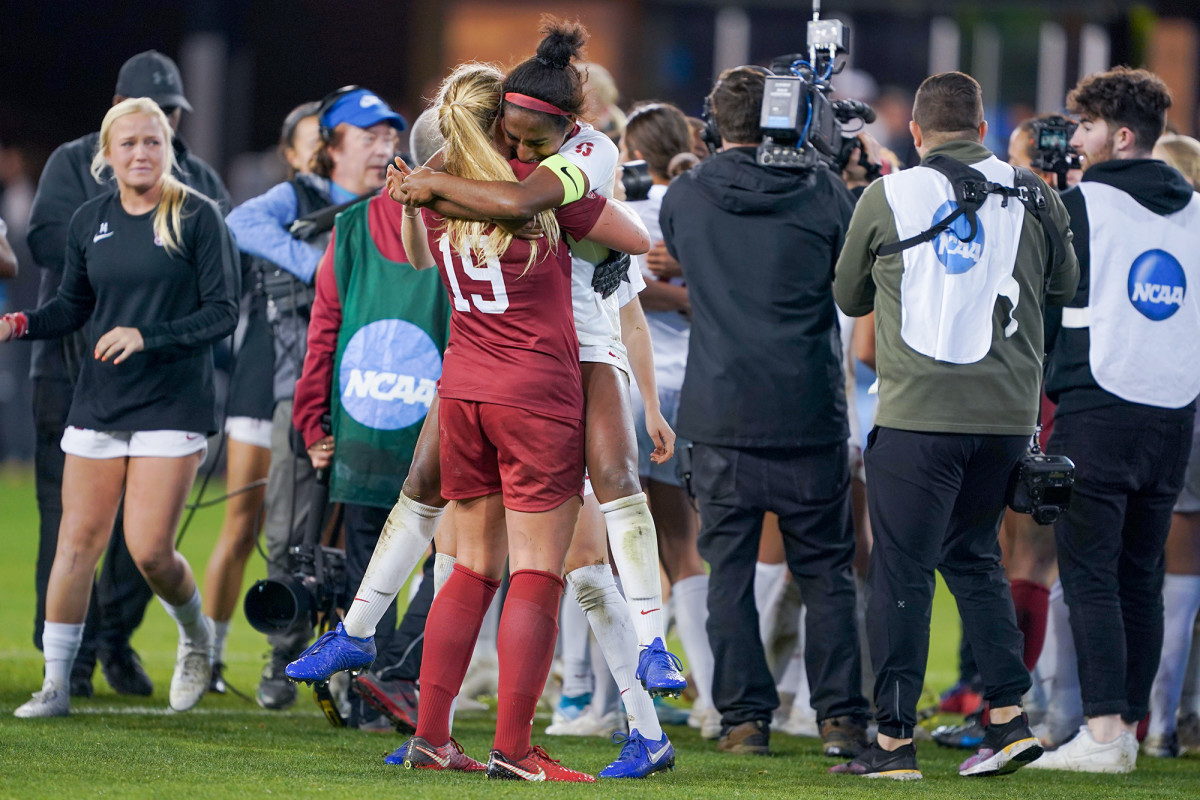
(154, 75)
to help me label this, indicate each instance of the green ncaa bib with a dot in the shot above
(395, 325)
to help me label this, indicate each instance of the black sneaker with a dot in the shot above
(1006, 748)
(81, 683)
(216, 684)
(123, 670)
(967, 736)
(275, 690)
(875, 762)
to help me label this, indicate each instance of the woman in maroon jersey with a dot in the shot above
(511, 430)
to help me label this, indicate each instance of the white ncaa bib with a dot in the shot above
(949, 288)
(1145, 323)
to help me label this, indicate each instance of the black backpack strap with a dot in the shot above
(971, 189)
(1033, 195)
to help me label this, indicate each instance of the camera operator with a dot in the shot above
(763, 400)
(358, 140)
(120, 594)
(1123, 372)
(959, 337)
(1024, 151)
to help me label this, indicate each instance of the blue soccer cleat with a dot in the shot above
(658, 670)
(640, 756)
(333, 652)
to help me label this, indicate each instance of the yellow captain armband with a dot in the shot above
(573, 181)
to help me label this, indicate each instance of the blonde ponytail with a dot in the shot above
(466, 109)
(168, 215)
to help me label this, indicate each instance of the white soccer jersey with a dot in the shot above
(597, 320)
(670, 331)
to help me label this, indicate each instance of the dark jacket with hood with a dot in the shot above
(65, 185)
(758, 246)
(1157, 187)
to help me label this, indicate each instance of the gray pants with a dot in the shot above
(290, 484)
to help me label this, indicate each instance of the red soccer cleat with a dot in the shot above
(535, 766)
(417, 753)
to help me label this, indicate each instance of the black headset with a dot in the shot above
(327, 104)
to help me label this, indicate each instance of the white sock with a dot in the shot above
(402, 544)
(1189, 702)
(60, 645)
(1181, 601)
(443, 567)
(488, 630)
(190, 619)
(608, 614)
(690, 597)
(769, 581)
(634, 544)
(606, 698)
(1064, 711)
(220, 632)
(794, 679)
(574, 634)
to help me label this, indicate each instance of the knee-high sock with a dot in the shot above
(1189, 701)
(450, 632)
(528, 628)
(794, 680)
(60, 644)
(406, 535)
(1181, 601)
(769, 582)
(574, 635)
(634, 544)
(1064, 712)
(1032, 603)
(690, 597)
(608, 614)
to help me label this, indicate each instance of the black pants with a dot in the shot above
(810, 491)
(936, 501)
(120, 594)
(1129, 469)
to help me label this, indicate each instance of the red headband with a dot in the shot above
(533, 104)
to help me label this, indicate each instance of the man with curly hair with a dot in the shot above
(1122, 370)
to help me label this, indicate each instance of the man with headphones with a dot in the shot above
(764, 402)
(358, 140)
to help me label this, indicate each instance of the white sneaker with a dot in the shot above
(468, 705)
(801, 722)
(1085, 754)
(51, 701)
(589, 723)
(710, 727)
(193, 672)
(482, 678)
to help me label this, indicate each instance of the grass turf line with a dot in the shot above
(128, 747)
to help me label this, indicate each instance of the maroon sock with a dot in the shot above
(528, 629)
(1032, 603)
(450, 633)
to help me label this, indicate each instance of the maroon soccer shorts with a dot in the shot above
(535, 460)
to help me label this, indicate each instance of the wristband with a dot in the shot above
(18, 325)
(573, 181)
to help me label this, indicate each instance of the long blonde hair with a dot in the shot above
(1182, 153)
(168, 216)
(467, 105)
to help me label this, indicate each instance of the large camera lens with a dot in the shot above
(635, 176)
(274, 606)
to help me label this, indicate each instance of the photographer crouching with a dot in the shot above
(956, 257)
(764, 402)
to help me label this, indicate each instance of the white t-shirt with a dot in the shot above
(669, 330)
(597, 320)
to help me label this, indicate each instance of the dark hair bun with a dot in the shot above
(562, 42)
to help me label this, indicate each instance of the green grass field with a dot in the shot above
(123, 747)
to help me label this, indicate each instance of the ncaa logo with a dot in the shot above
(388, 375)
(1157, 285)
(956, 255)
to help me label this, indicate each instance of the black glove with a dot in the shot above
(610, 272)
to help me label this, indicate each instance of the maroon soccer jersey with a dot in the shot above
(512, 331)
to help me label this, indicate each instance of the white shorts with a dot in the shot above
(87, 443)
(603, 354)
(249, 430)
